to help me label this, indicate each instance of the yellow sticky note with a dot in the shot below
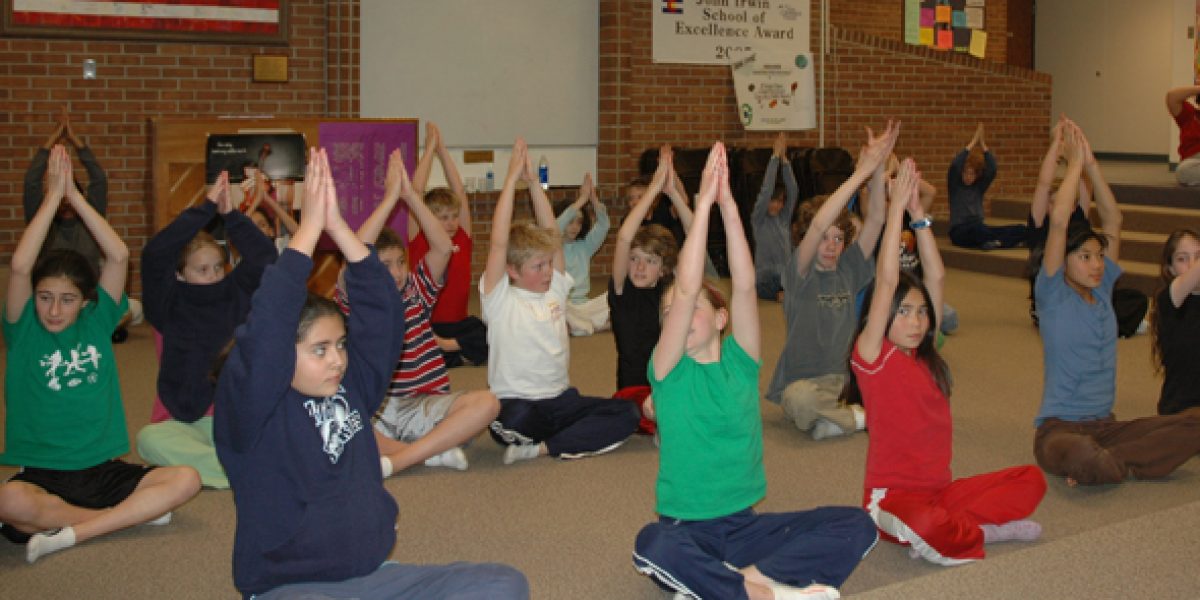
(944, 13)
(926, 36)
(978, 43)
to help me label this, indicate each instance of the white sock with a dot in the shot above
(517, 452)
(385, 464)
(860, 417)
(42, 544)
(163, 520)
(824, 428)
(1021, 530)
(453, 458)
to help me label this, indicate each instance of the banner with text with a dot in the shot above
(358, 156)
(717, 31)
(775, 92)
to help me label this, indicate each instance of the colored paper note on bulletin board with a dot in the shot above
(978, 43)
(926, 35)
(912, 21)
(944, 13)
(945, 39)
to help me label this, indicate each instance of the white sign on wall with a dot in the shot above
(775, 92)
(716, 31)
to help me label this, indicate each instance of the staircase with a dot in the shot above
(1151, 212)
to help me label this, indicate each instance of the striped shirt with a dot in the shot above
(421, 369)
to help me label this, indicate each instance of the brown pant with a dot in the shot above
(1109, 451)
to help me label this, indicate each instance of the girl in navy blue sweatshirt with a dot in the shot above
(292, 428)
(195, 306)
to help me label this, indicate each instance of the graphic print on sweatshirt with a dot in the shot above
(336, 422)
(72, 370)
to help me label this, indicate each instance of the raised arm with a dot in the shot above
(679, 201)
(396, 177)
(779, 150)
(352, 248)
(1177, 96)
(873, 155)
(20, 284)
(116, 254)
(289, 223)
(440, 245)
(743, 303)
(633, 220)
(887, 265)
(977, 139)
(312, 209)
(1041, 192)
(454, 180)
(1106, 202)
(595, 236)
(875, 212)
(502, 220)
(433, 138)
(568, 214)
(689, 272)
(542, 211)
(1064, 201)
(931, 260)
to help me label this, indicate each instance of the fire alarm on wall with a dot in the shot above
(89, 68)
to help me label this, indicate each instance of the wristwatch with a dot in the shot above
(921, 223)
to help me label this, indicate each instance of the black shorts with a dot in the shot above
(102, 486)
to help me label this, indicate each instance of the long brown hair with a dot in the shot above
(1164, 271)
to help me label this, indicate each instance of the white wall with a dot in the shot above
(487, 72)
(1112, 61)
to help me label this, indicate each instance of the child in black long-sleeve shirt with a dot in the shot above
(292, 427)
(195, 306)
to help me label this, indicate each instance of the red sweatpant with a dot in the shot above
(943, 526)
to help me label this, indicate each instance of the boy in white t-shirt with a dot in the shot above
(524, 296)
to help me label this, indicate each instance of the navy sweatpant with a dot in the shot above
(571, 425)
(822, 545)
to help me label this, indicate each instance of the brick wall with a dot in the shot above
(140, 80)
(871, 76)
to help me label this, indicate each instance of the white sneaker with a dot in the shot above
(453, 458)
(516, 452)
(815, 591)
(824, 428)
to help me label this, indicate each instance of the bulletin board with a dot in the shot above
(948, 25)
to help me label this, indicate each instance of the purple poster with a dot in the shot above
(358, 154)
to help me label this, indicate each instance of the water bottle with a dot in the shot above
(544, 172)
(490, 180)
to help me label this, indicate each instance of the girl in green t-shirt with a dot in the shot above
(58, 325)
(708, 541)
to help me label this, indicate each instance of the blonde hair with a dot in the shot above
(526, 240)
(202, 239)
(441, 200)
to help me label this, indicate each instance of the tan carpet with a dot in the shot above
(570, 525)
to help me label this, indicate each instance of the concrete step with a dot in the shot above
(1151, 219)
(1011, 262)
(1140, 246)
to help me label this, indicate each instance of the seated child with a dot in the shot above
(420, 420)
(825, 273)
(772, 222)
(643, 261)
(585, 316)
(196, 307)
(64, 419)
(970, 174)
(708, 541)
(1078, 436)
(904, 384)
(524, 292)
(462, 337)
(293, 398)
(1175, 322)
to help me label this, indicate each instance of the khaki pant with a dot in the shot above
(806, 400)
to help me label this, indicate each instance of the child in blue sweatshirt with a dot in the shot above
(292, 428)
